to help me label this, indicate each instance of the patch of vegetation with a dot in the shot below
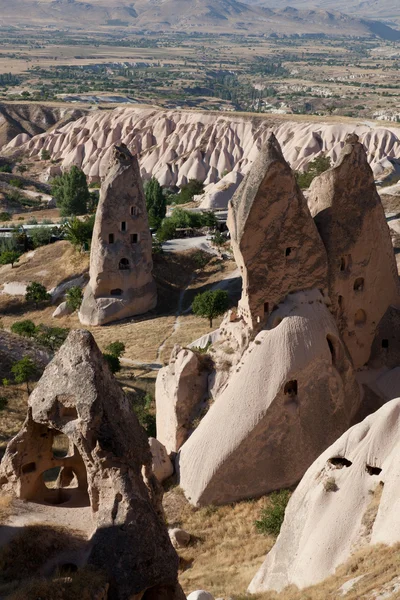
(51, 338)
(5, 216)
(36, 293)
(6, 169)
(25, 328)
(145, 411)
(25, 371)
(80, 233)
(211, 304)
(194, 187)
(272, 516)
(74, 298)
(155, 202)
(3, 402)
(315, 167)
(113, 353)
(9, 257)
(71, 192)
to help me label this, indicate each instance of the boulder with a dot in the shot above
(292, 394)
(107, 467)
(352, 491)
(200, 595)
(274, 239)
(179, 537)
(181, 389)
(352, 224)
(62, 311)
(161, 463)
(121, 283)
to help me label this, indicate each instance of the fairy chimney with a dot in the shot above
(362, 272)
(121, 283)
(274, 239)
(107, 466)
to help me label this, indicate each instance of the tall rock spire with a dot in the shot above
(274, 239)
(363, 278)
(121, 283)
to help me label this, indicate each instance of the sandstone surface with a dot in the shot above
(161, 463)
(274, 239)
(62, 310)
(348, 499)
(181, 389)
(363, 277)
(107, 466)
(291, 395)
(121, 283)
(179, 537)
(175, 146)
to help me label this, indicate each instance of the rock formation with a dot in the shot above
(292, 394)
(175, 146)
(363, 278)
(107, 467)
(121, 283)
(348, 499)
(181, 389)
(274, 239)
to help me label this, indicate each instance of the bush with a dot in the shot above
(80, 233)
(5, 169)
(25, 328)
(5, 216)
(51, 337)
(113, 362)
(45, 155)
(316, 167)
(41, 236)
(3, 402)
(272, 515)
(16, 183)
(116, 349)
(167, 231)
(36, 293)
(24, 371)
(9, 257)
(74, 297)
(143, 407)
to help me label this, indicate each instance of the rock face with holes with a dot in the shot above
(292, 394)
(121, 283)
(108, 467)
(274, 239)
(181, 389)
(363, 278)
(352, 491)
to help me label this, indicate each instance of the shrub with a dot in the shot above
(45, 155)
(36, 293)
(3, 402)
(113, 362)
(25, 328)
(41, 236)
(80, 233)
(116, 349)
(143, 408)
(5, 169)
(330, 485)
(315, 167)
(272, 515)
(5, 216)
(74, 297)
(16, 183)
(51, 337)
(167, 231)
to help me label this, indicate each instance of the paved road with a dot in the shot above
(180, 245)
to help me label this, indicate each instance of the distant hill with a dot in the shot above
(387, 11)
(224, 16)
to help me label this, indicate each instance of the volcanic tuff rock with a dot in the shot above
(274, 239)
(121, 283)
(352, 491)
(176, 146)
(363, 278)
(108, 467)
(181, 388)
(292, 394)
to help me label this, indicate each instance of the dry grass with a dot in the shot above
(378, 566)
(5, 508)
(20, 558)
(14, 414)
(226, 549)
(86, 584)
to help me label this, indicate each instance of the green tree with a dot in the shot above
(74, 297)
(156, 203)
(36, 293)
(116, 349)
(24, 371)
(40, 236)
(80, 233)
(25, 328)
(71, 192)
(211, 304)
(9, 257)
(167, 231)
(51, 337)
(315, 167)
